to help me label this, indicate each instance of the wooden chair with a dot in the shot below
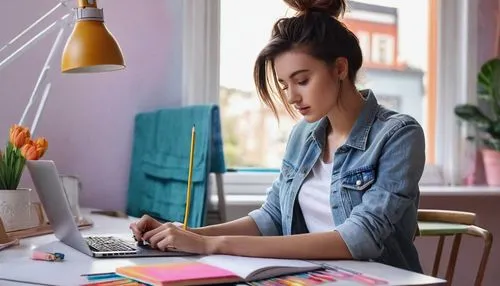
(445, 223)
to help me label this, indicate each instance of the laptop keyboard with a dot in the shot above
(108, 244)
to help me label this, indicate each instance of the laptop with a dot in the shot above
(53, 198)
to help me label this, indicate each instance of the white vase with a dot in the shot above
(16, 209)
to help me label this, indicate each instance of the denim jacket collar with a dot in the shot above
(359, 134)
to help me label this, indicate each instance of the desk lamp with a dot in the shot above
(90, 48)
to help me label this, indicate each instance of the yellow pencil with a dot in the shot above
(190, 177)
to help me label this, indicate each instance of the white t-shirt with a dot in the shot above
(314, 198)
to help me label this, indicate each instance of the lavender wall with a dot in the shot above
(88, 119)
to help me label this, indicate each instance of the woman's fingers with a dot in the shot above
(157, 234)
(153, 240)
(164, 244)
(135, 231)
(148, 235)
(140, 226)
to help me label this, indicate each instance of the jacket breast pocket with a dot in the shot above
(355, 183)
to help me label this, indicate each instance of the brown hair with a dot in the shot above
(315, 29)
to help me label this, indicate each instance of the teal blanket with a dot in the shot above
(160, 160)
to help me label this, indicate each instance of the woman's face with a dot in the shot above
(310, 85)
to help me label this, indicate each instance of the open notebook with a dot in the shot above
(215, 269)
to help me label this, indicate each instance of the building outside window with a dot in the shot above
(382, 49)
(395, 54)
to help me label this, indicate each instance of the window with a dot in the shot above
(382, 49)
(252, 135)
(421, 79)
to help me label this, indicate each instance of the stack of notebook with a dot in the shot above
(221, 269)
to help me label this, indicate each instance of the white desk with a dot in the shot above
(16, 264)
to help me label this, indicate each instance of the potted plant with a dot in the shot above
(487, 122)
(15, 202)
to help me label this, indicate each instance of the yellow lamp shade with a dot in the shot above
(91, 48)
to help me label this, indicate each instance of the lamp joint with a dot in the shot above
(89, 14)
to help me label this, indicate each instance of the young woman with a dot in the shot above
(348, 186)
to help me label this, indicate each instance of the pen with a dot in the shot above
(103, 277)
(97, 274)
(190, 177)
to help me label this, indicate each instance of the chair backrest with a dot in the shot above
(160, 159)
(446, 216)
(442, 223)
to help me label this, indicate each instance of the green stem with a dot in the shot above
(8, 168)
(3, 185)
(19, 170)
(13, 166)
(12, 169)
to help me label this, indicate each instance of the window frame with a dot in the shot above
(456, 71)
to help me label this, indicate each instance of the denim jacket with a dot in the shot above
(374, 192)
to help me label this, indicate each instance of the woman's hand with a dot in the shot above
(170, 236)
(143, 225)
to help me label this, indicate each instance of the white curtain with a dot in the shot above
(200, 68)
(457, 70)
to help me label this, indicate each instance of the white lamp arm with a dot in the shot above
(40, 80)
(11, 42)
(61, 23)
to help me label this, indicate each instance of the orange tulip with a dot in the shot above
(19, 135)
(29, 151)
(41, 145)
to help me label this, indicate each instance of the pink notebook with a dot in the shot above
(180, 273)
(214, 269)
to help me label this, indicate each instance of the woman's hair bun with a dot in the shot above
(334, 8)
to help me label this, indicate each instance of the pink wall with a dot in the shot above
(88, 118)
(488, 10)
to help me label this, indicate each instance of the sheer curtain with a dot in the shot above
(200, 68)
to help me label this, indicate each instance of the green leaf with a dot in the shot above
(495, 129)
(488, 83)
(11, 167)
(473, 115)
(492, 143)
(3, 185)
(20, 161)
